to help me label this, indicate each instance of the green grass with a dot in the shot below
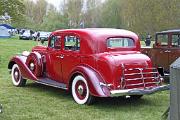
(39, 102)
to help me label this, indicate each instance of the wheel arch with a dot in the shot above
(10, 64)
(20, 61)
(93, 80)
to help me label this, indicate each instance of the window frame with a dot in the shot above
(122, 47)
(178, 40)
(77, 42)
(56, 38)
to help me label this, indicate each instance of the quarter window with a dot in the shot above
(72, 43)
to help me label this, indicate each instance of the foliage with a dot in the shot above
(35, 13)
(140, 16)
(53, 21)
(15, 8)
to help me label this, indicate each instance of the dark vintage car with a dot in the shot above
(165, 51)
(89, 63)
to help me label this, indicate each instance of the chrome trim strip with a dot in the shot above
(142, 84)
(51, 85)
(141, 78)
(103, 84)
(142, 73)
(49, 82)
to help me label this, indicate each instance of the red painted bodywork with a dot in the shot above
(95, 61)
(20, 60)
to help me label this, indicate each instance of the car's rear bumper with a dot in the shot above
(139, 91)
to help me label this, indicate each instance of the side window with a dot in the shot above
(55, 42)
(72, 43)
(176, 40)
(162, 39)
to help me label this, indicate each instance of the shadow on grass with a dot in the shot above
(51, 91)
(114, 102)
(121, 102)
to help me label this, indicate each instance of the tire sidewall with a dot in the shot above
(75, 96)
(15, 83)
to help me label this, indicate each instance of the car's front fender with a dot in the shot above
(96, 83)
(25, 71)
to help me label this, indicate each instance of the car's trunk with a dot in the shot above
(137, 71)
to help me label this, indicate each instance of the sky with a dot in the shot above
(56, 3)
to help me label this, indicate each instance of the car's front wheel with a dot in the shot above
(17, 78)
(80, 91)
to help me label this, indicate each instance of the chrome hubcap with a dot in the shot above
(80, 89)
(32, 66)
(16, 74)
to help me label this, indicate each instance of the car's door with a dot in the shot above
(54, 57)
(71, 54)
(174, 51)
(161, 51)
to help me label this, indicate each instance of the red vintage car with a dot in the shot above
(89, 63)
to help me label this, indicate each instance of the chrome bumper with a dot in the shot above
(139, 91)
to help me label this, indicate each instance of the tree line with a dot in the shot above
(140, 16)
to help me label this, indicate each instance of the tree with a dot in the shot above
(54, 20)
(35, 13)
(90, 15)
(14, 8)
(73, 12)
(111, 14)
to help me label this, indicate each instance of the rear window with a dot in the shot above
(120, 42)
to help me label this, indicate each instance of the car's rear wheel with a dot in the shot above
(17, 78)
(80, 91)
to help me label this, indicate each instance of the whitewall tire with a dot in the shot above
(80, 91)
(17, 79)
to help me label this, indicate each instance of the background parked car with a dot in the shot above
(26, 35)
(44, 36)
(41, 36)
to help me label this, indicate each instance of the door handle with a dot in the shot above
(167, 51)
(61, 56)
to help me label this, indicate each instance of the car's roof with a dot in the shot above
(169, 31)
(99, 32)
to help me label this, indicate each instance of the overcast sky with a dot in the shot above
(56, 3)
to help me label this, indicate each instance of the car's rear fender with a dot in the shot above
(25, 71)
(96, 83)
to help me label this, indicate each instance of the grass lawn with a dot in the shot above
(39, 102)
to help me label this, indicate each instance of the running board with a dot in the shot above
(49, 82)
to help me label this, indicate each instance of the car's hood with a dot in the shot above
(39, 48)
